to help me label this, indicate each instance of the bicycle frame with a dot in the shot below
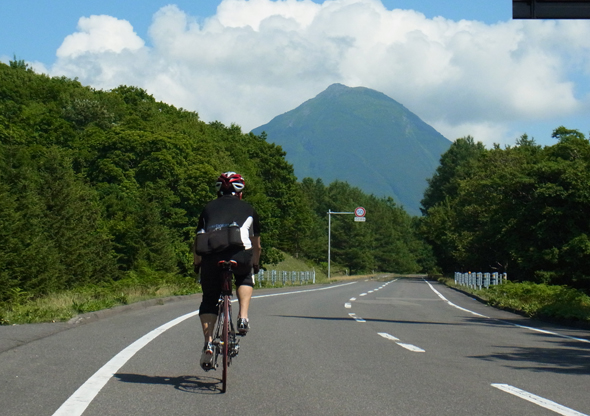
(224, 338)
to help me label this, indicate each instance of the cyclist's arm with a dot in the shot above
(196, 257)
(256, 250)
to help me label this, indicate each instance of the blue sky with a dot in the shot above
(463, 66)
(34, 29)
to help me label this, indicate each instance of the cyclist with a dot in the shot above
(228, 209)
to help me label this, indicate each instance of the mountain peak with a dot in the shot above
(385, 149)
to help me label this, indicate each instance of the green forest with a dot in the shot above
(101, 186)
(104, 188)
(522, 209)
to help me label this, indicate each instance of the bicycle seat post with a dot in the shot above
(226, 275)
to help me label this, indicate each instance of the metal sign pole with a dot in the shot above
(329, 238)
(359, 213)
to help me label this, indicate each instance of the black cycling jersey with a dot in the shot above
(226, 210)
(220, 213)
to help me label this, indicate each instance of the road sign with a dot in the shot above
(359, 215)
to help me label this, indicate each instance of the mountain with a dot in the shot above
(363, 137)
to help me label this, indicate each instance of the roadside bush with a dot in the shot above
(541, 300)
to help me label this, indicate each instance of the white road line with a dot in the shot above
(410, 347)
(388, 336)
(538, 400)
(347, 305)
(79, 401)
(352, 299)
(302, 291)
(548, 332)
(557, 334)
(451, 303)
(356, 318)
(363, 294)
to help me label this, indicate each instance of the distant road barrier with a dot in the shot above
(480, 280)
(277, 278)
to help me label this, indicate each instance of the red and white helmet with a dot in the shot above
(229, 182)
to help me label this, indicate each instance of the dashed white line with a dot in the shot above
(352, 299)
(363, 294)
(356, 318)
(538, 400)
(347, 305)
(410, 347)
(388, 336)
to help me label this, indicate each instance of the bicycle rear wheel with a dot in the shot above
(226, 342)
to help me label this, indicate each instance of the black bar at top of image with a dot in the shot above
(551, 9)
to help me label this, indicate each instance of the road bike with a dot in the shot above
(224, 338)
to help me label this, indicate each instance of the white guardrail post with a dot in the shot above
(275, 277)
(479, 280)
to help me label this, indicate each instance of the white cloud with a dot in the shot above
(259, 58)
(100, 34)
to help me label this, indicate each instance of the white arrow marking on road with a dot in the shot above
(538, 400)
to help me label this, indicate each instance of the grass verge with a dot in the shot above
(63, 306)
(138, 286)
(554, 303)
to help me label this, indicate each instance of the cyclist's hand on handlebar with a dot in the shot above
(256, 268)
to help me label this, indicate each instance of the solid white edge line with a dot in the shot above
(81, 399)
(557, 334)
(538, 400)
(302, 291)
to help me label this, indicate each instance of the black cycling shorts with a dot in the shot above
(211, 277)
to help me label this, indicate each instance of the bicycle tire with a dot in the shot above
(226, 342)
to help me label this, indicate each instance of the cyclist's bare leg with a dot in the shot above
(208, 323)
(244, 295)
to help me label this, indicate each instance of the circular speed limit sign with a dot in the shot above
(360, 212)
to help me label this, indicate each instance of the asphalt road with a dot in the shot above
(376, 347)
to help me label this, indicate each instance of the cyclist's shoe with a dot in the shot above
(243, 326)
(207, 357)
